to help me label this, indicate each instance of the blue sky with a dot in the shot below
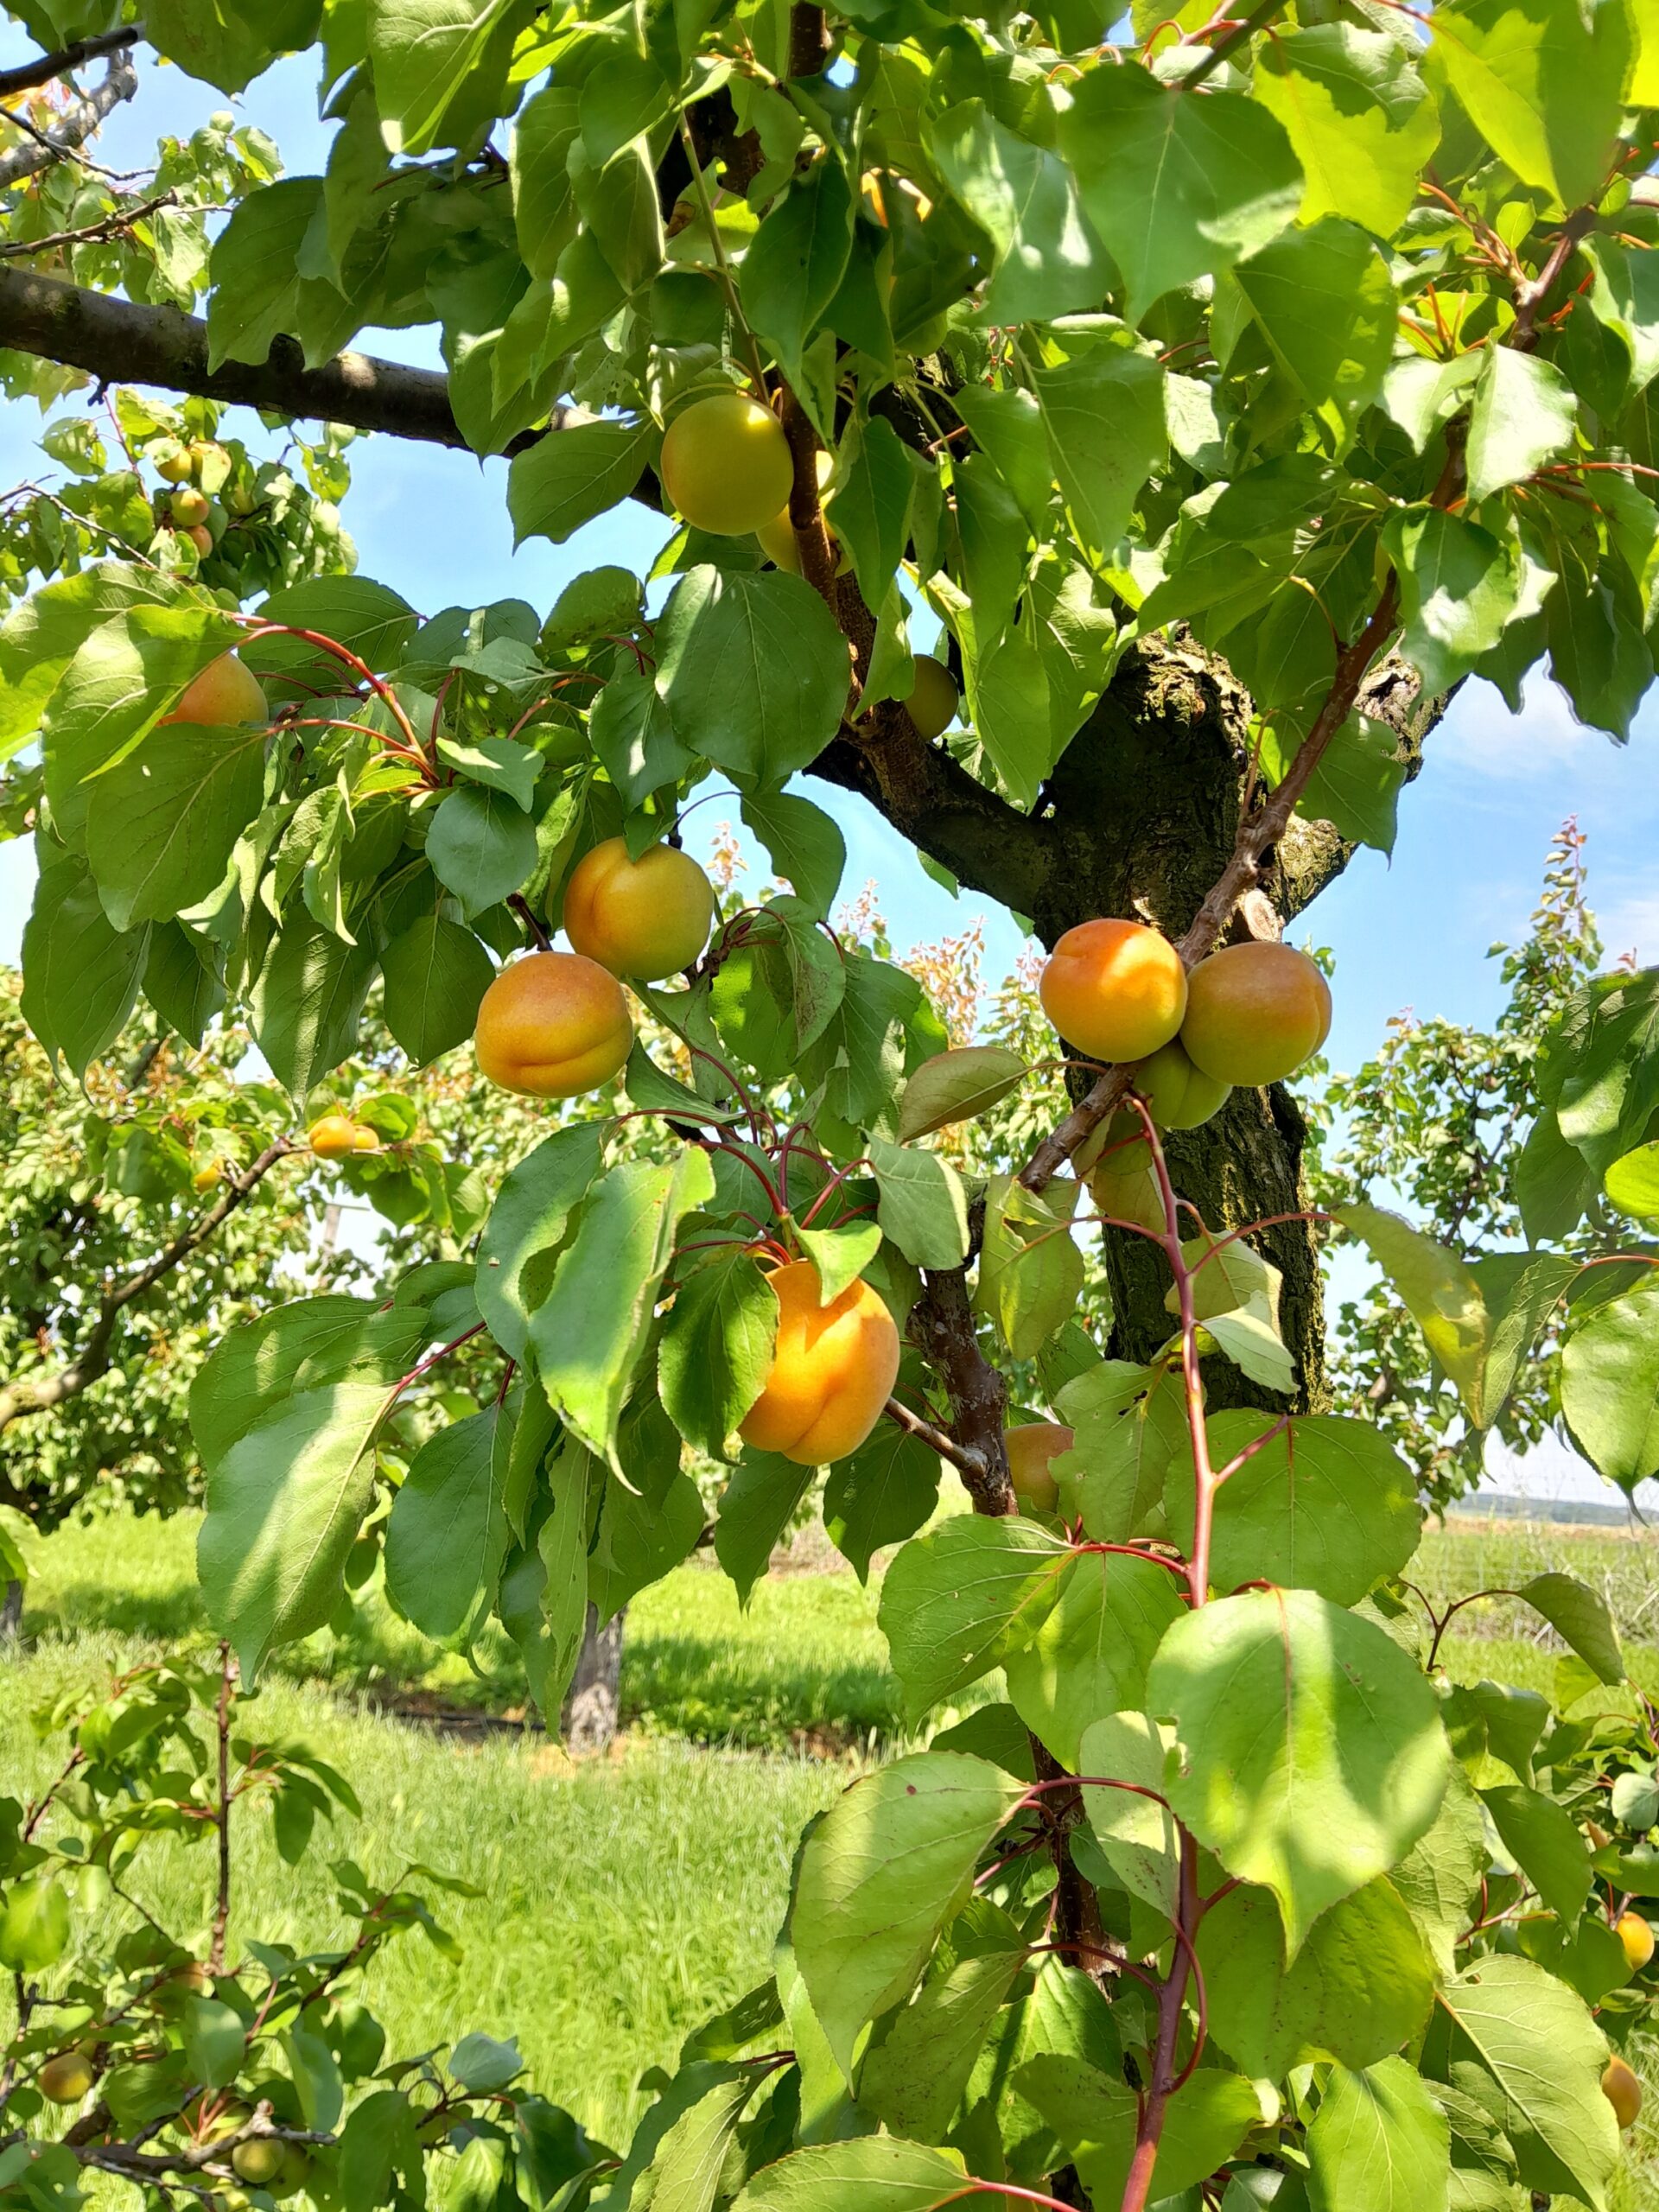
(1409, 932)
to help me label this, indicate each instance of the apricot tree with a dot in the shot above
(1228, 390)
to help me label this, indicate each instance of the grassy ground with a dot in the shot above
(626, 1900)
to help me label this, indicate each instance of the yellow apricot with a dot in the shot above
(226, 693)
(726, 464)
(777, 537)
(65, 2079)
(176, 467)
(833, 1370)
(1253, 1012)
(1115, 989)
(187, 506)
(552, 1026)
(932, 701)
(1623, 2091)
(202, 538)
(205, 1178)
(334, 1137)
(365, 1139)
(1634, 1932)
(647, 918)
(1178, 1096)
(1030, 1448)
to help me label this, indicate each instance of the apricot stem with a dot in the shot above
(699, 185)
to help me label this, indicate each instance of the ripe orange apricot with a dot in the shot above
(647, 917)
(65, 2079)
(833, 1370)
(1253, 1012)
(1115, 989)
(334, 1137)
(1623, 2091)
(202, 538)
(932, 701)
(726, 464)
(1634, 1932)
(224, 693)
(1030, 1449)
(1177, 1096)
(553, 1025)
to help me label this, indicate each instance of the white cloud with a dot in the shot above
(1481, 735)
(1631, 924)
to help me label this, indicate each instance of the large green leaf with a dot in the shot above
(1521, 415)
(754, 671)
(80, 974)
(1048, 261)
(261, 1363)
(802, 843)
(1103, 411)
(1437, 1290)
(1541, 81)
(307, 1003)
(1358, 115)
(1031, 1269)
(879, 1876)
(1089, 1656)
(956, 1086)
(795, 261)
(1460, 589)
(779, 987)
(424, 52)
(1327, 302)
(1543, 1840)
(880, 2169)
(955, 1602)
(756, 1508)
(879, 1495)
(162, 822)
(588, 1332)
(1137, 1836)
(572, 474)
(1328, 1505)
(1359, 1988)
(1524, 2048)
(1096, 2116)
(1181, 184)
(1610, 1385)
(435, 974)
(923, 1207)
(1439, 1877)
(1582, 1617)
(261, 289)
(1313, 1755)
(716, 1347)
(871, 507)
(447, 1532)
(913, 2078)
(525, 1230)
(481, 846)
(1379, 2143)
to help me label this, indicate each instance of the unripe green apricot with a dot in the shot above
(1178, 1096)
(726, 464)
(933, 699)
(65, 2079)
(258, 2161)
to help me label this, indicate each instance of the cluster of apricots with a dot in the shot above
(727, 467)
(225, 695)
(187, 507)
(337, 1136)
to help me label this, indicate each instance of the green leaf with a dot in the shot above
(1313, 1755)
(860, 1057)
(922, 1208)
(654, 1091)
(1378, 2142)
(651, 1518)
(631, 731)
(588, 1332)
(1182, 185)
(891, 1862)
(1439, 1877)
(1504, 2013)
(284, 1506)
(871, 507)
(1008, 426)
(956, 1086)
(1543, 1840)
(1581, 1618)
(1091, 1655)
(261, 1363)
(755, 672)
(914, 2080)
(1357, 785)
(717, 1347)
(1031, 1269)
(1624, 299)
(1327, 1504)
(1094, 2118)
(840, 1255)
(1632, 1183)
(481, 845)
(956, 1601)
(1128, 1422)
(447, 1531)
(620, 211)
(498, 762)
(1460, 589)
(1361, 1985)
(779, 987)
(369, 618)
(307, 1003)
(688, 2166)
(435, 974)
(1137, 1836)
(1610, 1385)
(80, 974)
(162, 822)
(1047, 261)
(572, 474)
(214, 2042)
(34, 1924)
(1358, 115)
(525, 1230)
(795, 261)
(544, 205)
(756, 1507)
(1103, 411)
(1437, 1290)
(1523, 414)
(803, 843)
(424, 53)
(1327, 303)
(260, 289)
(852, 2177)
(883, 1493)
(1543, 82)
(562, 1550)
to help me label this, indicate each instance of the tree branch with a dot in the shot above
(77, 123)
(33, 1395)
(45, 66)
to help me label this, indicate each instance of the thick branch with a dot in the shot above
(76, 124)
(39, 1395)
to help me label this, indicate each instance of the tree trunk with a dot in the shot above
(592, 1706)
(11, 1613)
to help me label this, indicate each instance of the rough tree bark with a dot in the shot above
(592, 1704)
